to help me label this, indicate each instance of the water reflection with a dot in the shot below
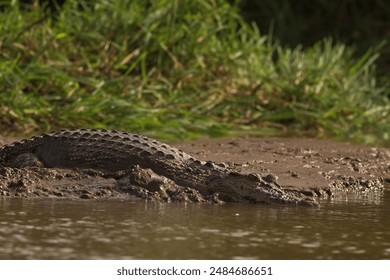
(68, 229)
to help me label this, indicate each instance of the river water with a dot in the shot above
(356, 228)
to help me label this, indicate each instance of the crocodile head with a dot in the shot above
(257, 188)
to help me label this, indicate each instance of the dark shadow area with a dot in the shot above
(363, 24)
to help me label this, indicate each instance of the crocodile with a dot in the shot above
(116, 152)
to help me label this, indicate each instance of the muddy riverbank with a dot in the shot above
(311, 166)
(306, 167)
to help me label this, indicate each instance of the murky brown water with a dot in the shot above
(70, 229)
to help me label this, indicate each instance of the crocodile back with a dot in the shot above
(108, 150)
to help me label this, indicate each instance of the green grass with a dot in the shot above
(180, 70)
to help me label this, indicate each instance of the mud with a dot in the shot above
(307, 167)
(310, 166)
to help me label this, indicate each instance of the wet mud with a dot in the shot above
(313, 167)
(306, 167)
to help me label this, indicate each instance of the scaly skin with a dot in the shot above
(112, 151)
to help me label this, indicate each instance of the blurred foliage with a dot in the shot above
(180, 69)
(360, 23)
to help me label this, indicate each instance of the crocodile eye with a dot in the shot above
(270, 178)
(254, 177)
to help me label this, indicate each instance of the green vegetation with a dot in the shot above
(360, 23)
(180, 69)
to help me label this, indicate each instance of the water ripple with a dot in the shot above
(66, 229)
